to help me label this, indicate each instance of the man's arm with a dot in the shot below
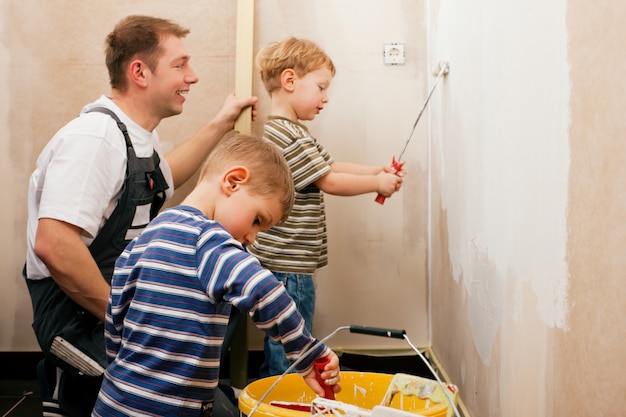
(59, 246)
(187, 158)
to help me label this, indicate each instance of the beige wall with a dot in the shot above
(377, 272)
(593, 348)
(53, 65)
(377, 254)
(504, 250)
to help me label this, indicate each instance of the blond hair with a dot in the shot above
(269, 172)
(300, 55)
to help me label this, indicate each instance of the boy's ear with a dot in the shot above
(234, 178)
(287, 78)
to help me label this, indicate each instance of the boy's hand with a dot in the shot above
(389, 183)
(393, 170)
(331, 376)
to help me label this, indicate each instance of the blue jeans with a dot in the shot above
(301, 288)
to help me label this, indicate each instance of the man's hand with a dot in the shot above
(231, 109)
(186, 159)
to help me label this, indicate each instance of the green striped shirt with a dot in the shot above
(298, 245)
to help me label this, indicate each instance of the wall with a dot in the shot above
(377, 254)
(53, 64)
(509, 230)
(592, 349)
(526, 152)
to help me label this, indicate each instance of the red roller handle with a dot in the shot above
(319, 365)
(397, 167)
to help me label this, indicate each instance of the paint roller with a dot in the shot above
(320, 364)
(377, 331)
(441, 70)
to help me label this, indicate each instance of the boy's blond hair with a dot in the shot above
(269, 172)
(301, 55)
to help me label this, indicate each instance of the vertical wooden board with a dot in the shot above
(243, 125)
(244, 61)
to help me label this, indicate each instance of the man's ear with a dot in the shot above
(137, 72)
(287, 79)
(234, 178)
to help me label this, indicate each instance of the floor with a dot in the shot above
(19, 393)
(19, 398)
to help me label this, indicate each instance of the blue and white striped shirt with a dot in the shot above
(170, 302)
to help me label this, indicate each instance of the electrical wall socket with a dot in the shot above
(393, 54)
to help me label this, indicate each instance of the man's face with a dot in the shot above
(171, 79)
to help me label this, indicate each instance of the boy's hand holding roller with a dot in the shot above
(325, 376)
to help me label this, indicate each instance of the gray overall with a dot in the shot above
(55, 314)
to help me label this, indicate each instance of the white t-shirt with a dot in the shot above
(80, 173)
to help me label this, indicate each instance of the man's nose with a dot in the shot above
(191, 77)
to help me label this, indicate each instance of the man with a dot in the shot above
(97, 184)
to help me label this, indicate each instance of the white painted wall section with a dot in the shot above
(503, 155)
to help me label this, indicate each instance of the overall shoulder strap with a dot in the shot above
(120, 124)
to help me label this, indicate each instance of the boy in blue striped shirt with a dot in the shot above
(175, 284)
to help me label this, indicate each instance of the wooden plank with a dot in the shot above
(244, 65)
(244, 68)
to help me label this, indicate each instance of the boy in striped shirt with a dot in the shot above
(175, 284)
(297, 74)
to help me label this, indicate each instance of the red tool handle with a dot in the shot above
(319, 365)
(397, 167)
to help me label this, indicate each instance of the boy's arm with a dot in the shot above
(347, 184)
(281, 320)
(274, 311)
(350, 168)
